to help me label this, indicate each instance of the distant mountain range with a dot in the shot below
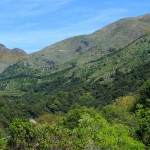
(10, 56)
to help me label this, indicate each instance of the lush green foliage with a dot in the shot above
(143, 113)
(81, 128)
(61, 94)
(121, 111)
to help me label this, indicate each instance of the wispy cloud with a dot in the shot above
(32, 7)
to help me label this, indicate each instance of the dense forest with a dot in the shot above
(124, 124)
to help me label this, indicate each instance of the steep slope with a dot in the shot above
(79, 50)
(9, 57)
(133, 55)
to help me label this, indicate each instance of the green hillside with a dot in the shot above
(133, 55)
(126, 59)
(108, 70)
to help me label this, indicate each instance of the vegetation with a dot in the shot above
(80, 128)
(124, 124)
(143, 112)
(87, 93)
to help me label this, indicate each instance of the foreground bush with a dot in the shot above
(81, 129)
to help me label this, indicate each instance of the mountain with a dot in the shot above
(58, 72)
(105, 70)
(9, 56)
(79, 50)
(106, 73)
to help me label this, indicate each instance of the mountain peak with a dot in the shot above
(2, 46)
(18, 51)
(10, 56)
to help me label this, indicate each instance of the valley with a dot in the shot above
(82, 87)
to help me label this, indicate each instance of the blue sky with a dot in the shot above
(34, 24)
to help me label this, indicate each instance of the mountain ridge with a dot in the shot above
(82, 49)
(10, 56)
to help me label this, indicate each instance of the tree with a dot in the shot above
(21, 134)
(143, 112)
(2, 140)
(89, 130)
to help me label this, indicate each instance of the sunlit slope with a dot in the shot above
(133, 55)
